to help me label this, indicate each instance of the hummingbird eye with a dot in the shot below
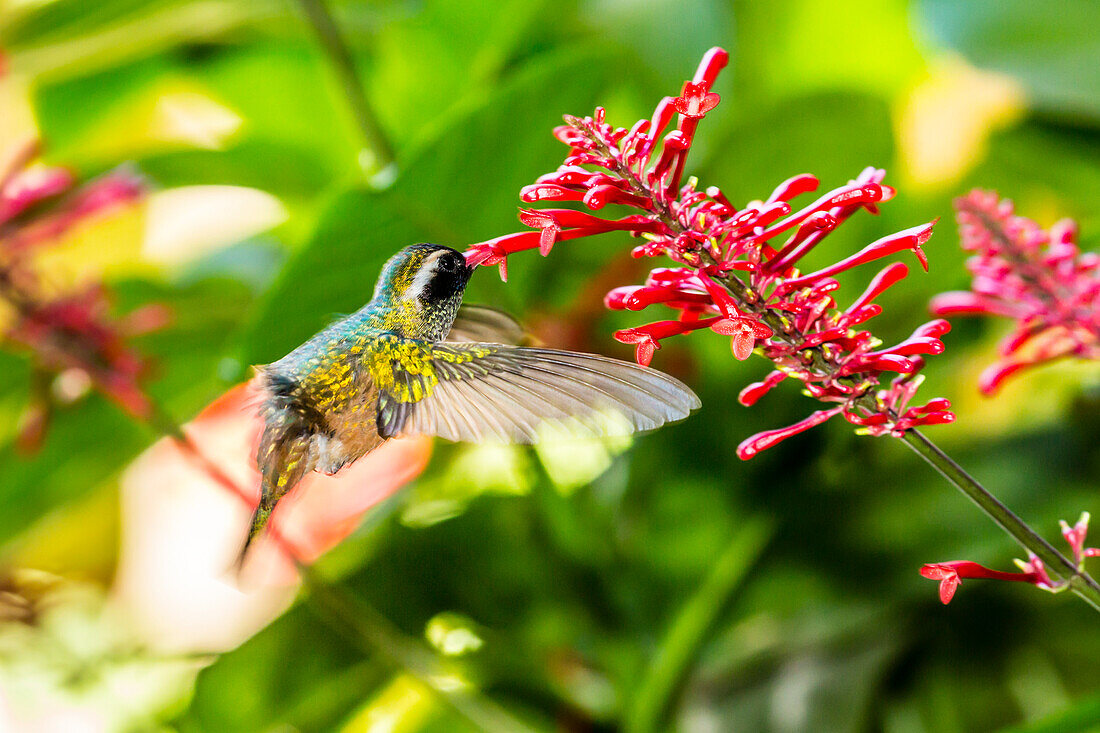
(442, 279)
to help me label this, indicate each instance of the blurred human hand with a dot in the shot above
(182, 527)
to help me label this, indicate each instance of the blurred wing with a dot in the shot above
(475, 392)
(480, 323)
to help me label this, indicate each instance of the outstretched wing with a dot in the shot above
(481, 323)
(474, 392)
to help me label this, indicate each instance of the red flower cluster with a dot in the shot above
(1037, 278)
(950, 574)
(736, 272)
(64, 330)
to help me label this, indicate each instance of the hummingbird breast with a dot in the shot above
(322, 393)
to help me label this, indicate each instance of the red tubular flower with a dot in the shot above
(648, 338)
(1037, 278)
(950, 574)
(1032, 571)
(67, 332)
(21, 188)
(749, 395)
(744, 332)
(695, 101)
(736, 268)
(1075, 538)
(766, 439)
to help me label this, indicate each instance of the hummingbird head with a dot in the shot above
(422, 286)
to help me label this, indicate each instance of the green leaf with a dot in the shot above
(287, 128)
(63, 39)
(692, 626)
(470, 44)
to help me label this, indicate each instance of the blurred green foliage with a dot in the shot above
(577, 593)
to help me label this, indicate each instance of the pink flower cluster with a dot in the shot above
(950, 574)
(735, 270)
(64, 330)
(1037, 278)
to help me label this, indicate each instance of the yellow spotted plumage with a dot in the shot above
(414, 361)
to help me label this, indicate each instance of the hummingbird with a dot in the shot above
(415, 360)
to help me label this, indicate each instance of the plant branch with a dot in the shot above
(1080, 582)
(382, 161)
(1025, 268)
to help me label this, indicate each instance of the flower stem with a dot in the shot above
(1080, 582)
(680, 646)
(372, 631)
(380, 161)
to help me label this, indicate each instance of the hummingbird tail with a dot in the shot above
(284, 461)
(256, 527)
(284, 452)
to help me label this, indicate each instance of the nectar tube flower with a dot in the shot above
(1033, 571)
(1037, 278)
(735, 269)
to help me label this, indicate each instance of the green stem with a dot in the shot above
(1080, 582)
(382, 161)
(374, 633)
(680, 647)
